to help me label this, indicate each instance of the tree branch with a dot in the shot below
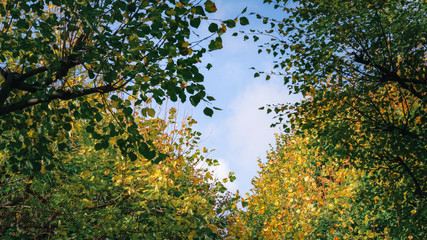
(389, 76)
(57, 94)
(7, 86)
(418, 189)
(32, 73)
(15, 80)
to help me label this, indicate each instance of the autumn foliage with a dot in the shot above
(99, 194)
(302, 193)
(85, 155)
(353, 165)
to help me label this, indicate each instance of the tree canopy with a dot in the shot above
(102, 194)
(361, 66)
(108, 56)
(83, 155)
(301, 192)
(67, 49)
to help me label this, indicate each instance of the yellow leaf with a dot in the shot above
(223, 27)
(32, 133)
(87, 202)
(133, 37)
(210, 6)
(29, 121)
(179, 5)
(191, 235)
(85, 173)
(185, 44)
(43, 169)
(127, 180)
(170, 183)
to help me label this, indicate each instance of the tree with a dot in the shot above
(139, 46)
(109, 56)
(82, 154)
(102, 194)
(361, 66)
(303, 193)
(296, 197)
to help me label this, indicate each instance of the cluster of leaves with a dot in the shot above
(361, 67)
(56, 51)
(295, 197)
(302, 193)
(134, 45)
(103, 194)
(82, 155)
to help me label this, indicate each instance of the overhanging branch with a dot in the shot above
(57, 94)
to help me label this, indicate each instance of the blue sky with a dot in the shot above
(240, 133)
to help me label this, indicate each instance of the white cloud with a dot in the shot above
(241, 133)
(248, 132)
(219, 172)
(248, 127)
(222, 171)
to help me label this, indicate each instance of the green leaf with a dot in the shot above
(90, 129)
(244, 21)
(132, 156)
(195, 22)
(99, 146)
(230, 23)
(67, 126)
(151, 112)
(208, 112)
(210, 98)
(145, 151)
(128, 111)
(213, 27)
(215, 44)
(231, 176)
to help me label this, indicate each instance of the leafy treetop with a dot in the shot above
(143, 47)
(110, 56)
(361, 66)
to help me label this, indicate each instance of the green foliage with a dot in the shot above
(82, 154)
(94, 193)
(96, 53)
(108, 45)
